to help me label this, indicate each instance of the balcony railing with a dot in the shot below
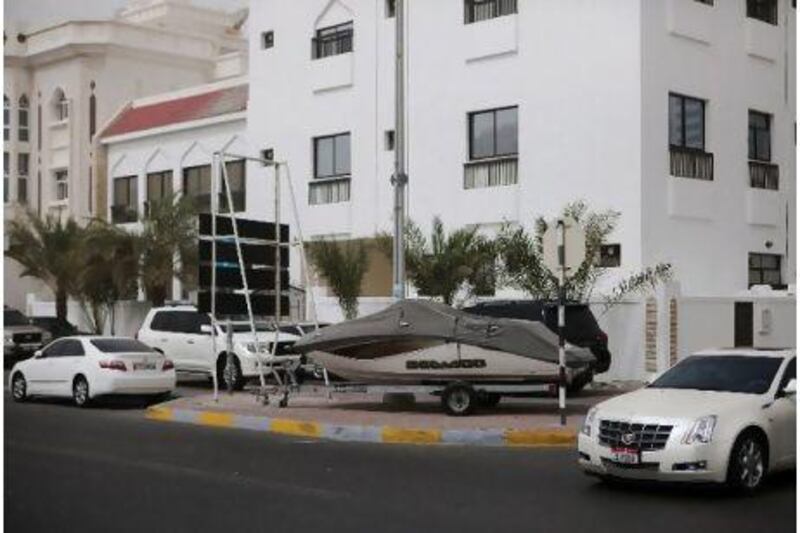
(490, 172)
(123, 214)
(329, 190)
(691, 163)
(478, 10)
(764, 175)
(341, 43)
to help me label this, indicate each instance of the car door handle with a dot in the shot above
(163, 340)
(190, 342)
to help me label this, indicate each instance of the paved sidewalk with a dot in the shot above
(367, 418)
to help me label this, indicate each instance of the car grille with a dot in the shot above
(284, 348)
(26, 338)
(645, 437)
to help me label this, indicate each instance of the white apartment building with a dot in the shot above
(678, 113)
(63, 82)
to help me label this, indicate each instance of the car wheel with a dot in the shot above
(748, 463)
(232, 375)
(19, 388)
(80, 392)
(459, 399)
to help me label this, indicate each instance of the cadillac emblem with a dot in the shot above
(628, 438)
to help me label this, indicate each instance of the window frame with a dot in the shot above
(762, 270)
(753, 10)
(6, 176)
(23, 119)
(495, 155)
(131, 190)
(752, 136)
(61, 177)
(334, 138)
(684, 98)
(6, 118)
(22, 177)
(335, 33)
(163, 176)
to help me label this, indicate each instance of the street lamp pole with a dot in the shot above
(399, 179)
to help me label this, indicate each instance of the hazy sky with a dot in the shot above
(37, 13)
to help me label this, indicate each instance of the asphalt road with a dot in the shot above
(109, 469)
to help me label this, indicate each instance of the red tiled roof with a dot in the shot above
(185, 109)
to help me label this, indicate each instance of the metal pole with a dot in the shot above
(229, 364)
(214, 207)
(277, 245)
(562, 370)
(400, 178)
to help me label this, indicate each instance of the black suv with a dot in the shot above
(580, 328)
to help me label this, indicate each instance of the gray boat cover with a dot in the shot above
(408, 319)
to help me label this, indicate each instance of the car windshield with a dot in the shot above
(120, 345)
(12, 317)
(725, 373)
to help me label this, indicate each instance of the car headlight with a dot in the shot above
(8, 338)
(263, 347)
(588, 421)
(701, 431)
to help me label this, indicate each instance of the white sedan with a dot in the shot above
(723, 416)
(85, 367)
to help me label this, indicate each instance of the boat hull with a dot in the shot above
(440, 363)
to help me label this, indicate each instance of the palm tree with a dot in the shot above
(50, 250)
(446, 263)
(168, 245)
(343, 264)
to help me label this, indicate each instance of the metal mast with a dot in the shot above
(399, 179)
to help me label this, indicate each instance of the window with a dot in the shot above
(92, 115)
(268, 154)
(759, 137)
(62, 184)
(23, 128)
(477, 10)
(389, 8)
(687, 123)
(61, 106)
(333, 40)
(6, 118)
(159, 187)
(23, 170)
(6, 172)
(125, 200)
(764, 269)
(197, 185)
(267, 39)
(332, 156)
(65, 348)
(687, 138)
(388, 140)
(237, 178)
(121, 346)
(179, 321)
(609, 256)
(493, 133)
(763, 10)
(707, 2)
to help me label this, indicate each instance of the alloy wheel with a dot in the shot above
(18, 388)
(80, 392)
(751, 464)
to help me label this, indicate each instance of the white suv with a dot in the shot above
(184, 335)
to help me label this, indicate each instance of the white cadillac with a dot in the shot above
(86, 367)
(723, 416)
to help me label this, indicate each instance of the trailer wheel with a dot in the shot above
(459, 399)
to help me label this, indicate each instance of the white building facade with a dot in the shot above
(64, 82)
(677, 113)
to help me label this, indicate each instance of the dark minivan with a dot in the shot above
(580, 329)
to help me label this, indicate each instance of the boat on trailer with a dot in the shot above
(424, 343)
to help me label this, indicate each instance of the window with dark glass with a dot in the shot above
(197, 186)
(332, 156)
(159, 186)
(389, 8)
(92, 115)
(6, 177)
(237, 178)
(62, 184)
(764, 269)
(6, 118)
(687, 122)
(493, 133)
(125, 200)
(609, 256)
(332, 40)
(759, 137)
(267, 39)
(23, 128)
(763, 10)
(23, 169)
(478, 10)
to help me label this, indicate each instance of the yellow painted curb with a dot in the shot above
(397, 435)
(539, 437)
(297, 428)
(215, 419)
(159, 413)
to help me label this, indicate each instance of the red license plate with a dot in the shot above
(626, 456)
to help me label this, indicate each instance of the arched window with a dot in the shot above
(6, 117)
(23, 128)
(60, 105)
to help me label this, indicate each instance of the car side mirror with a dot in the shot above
(206, 329)
(790, 389)
(37, 354)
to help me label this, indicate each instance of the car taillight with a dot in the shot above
(602, 337)
(114, 364)
(168, 365)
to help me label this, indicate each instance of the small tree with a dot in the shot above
(343, 264)
(446, 263)
(51, 250)
(168, 245)
(523, 268)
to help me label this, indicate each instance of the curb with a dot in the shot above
(516, 438)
